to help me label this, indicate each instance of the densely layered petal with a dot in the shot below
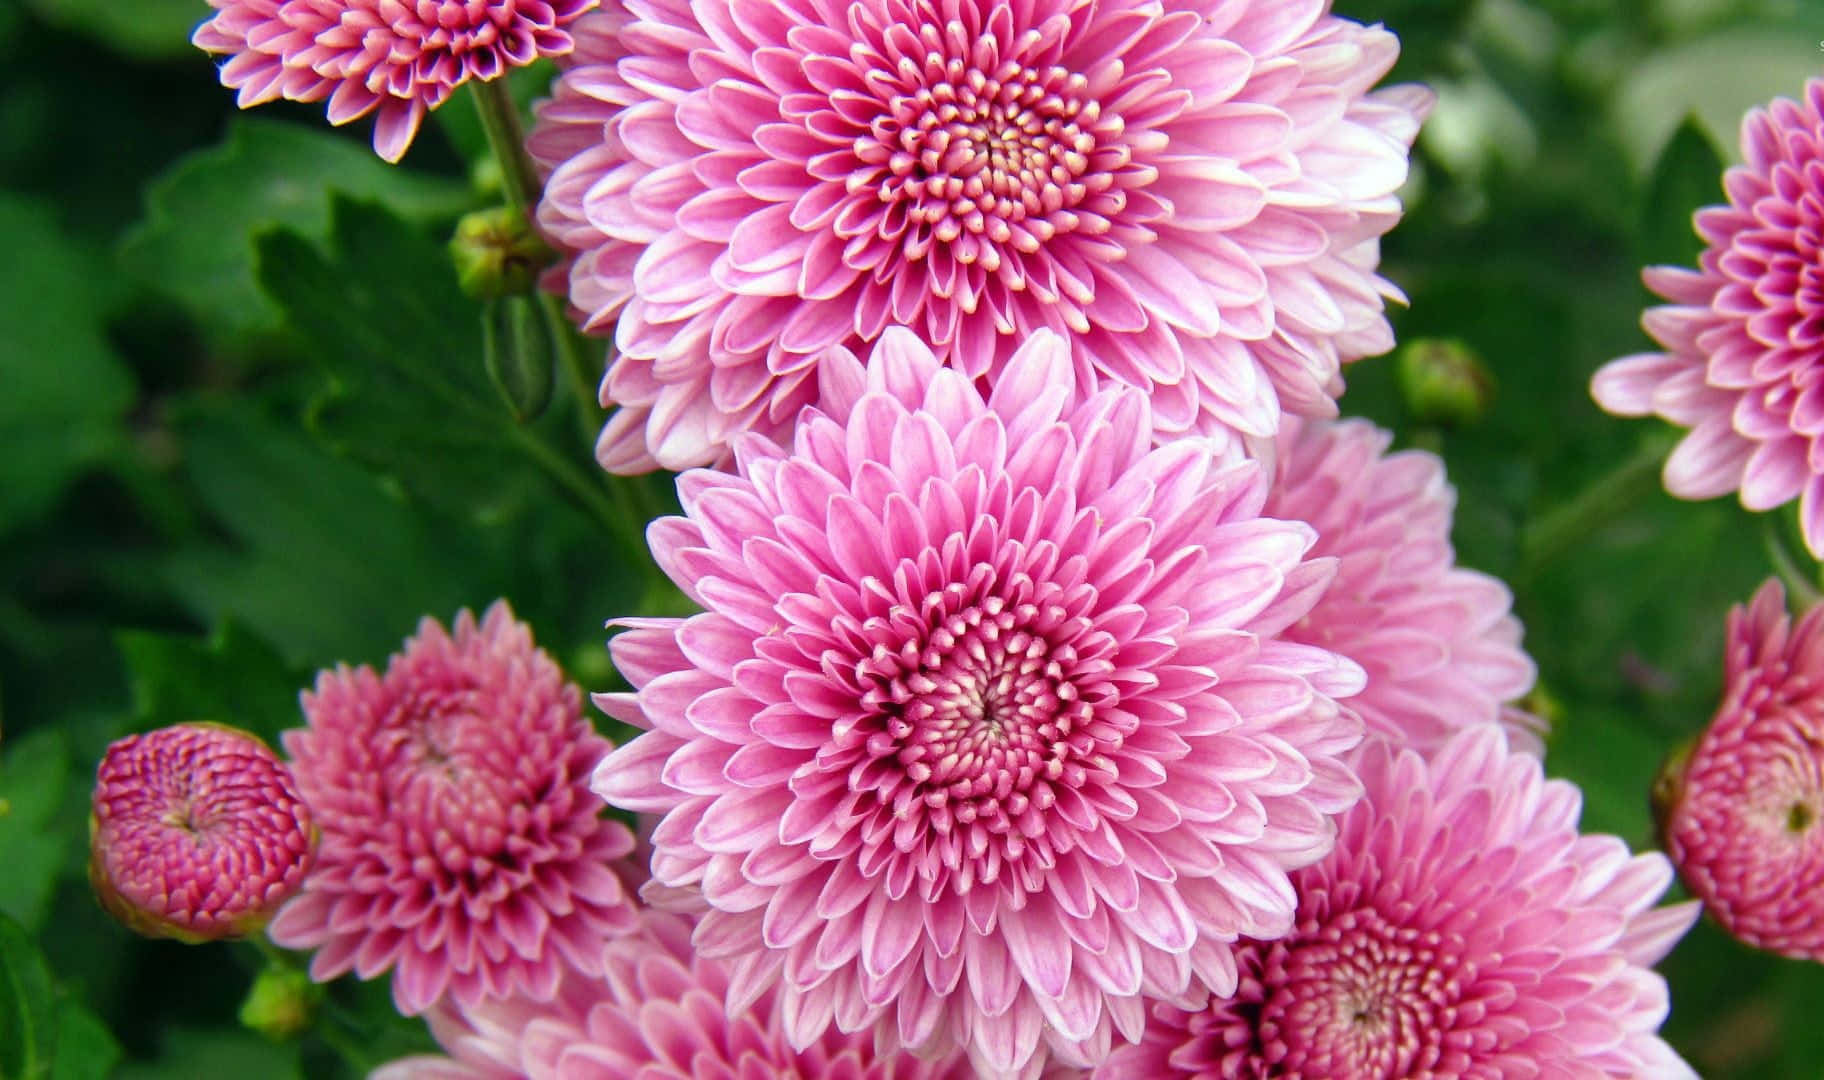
(659, 1011)
(986, 726)
(1462, 928)
(1192, 193)
(397, 59)
(1744, 332)
(1743, 822)
(1439, 642)
(462, 849)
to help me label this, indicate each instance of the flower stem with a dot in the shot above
(500, 120)
(1800, 585)
(1563, 527)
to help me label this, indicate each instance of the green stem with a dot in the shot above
(1564, 527)
(1800, 587)
(500, 120)
(628, 538)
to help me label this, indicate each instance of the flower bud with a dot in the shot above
(1444, 382)
(517, 350)
(498, 253)
(196, 832)
(281, 1003)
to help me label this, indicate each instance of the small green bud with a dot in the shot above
(1444, 382)
(517, 349)
(498, 253)
(281, 1003)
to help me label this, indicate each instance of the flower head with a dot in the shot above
(1461, 928)
(1744, 333)
(985, 728)
(660, 1012)
(1438, 642)
(1743, 822)
(1193, 195)
(461, 844)
(196, 832)
(397, 58)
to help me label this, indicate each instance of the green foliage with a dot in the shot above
(86, 1049)
(1688, 176)
(37, 843)
(28, 1008)
(148, 29)
(194, 243)
(65, 389)
(230, 678)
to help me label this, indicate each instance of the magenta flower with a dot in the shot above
(196, 832)
(1743, 824)
(1193, 196)
(1744, 334)
(397, 58)
(660, 1013)
(1439, 645)
(986, 727)
(1462, 928)
(461, 844)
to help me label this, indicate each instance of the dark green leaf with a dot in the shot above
(231, 678)
(152, 29)
(34, 844)
(208, 1053)
(86, 1049)
(196, 240)
(65, 390)
(1689, 175)
(28, 1008)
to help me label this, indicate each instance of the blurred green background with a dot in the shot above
(202, 501)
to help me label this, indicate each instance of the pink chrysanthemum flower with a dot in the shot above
(1439, 645)
(396, 58)
(986, 727)
(196, 832)
(659, 1013)
(1743, 824)
(1194, 195)
(1462, 929)
(1744, 334)
(461, 844)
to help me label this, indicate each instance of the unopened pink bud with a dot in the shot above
(197, 832)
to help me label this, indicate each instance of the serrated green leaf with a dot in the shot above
(86, 1049)
(28, 1007)
(1689, 176)
(65, 390)
(232, 677)
(408, 392)
(195, 242)
(326, 564)
(35, 845)
(148, 29)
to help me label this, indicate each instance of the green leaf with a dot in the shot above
(1689, 176)
(195, 241)
(86, 1049)
(325, 564)
(146, 29)
(408, 392)
(28, 1009)
(65, 390)
(190, 1053)
(230, 678)
(35, 845)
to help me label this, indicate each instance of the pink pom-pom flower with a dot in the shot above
(1745, 817)
(987, 726)
(658, 1012)
(1193, 194)
(1462, 928)
(196, 832)
(1743, 365)
(398, 59)
(462, 847)
(1439, 643)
